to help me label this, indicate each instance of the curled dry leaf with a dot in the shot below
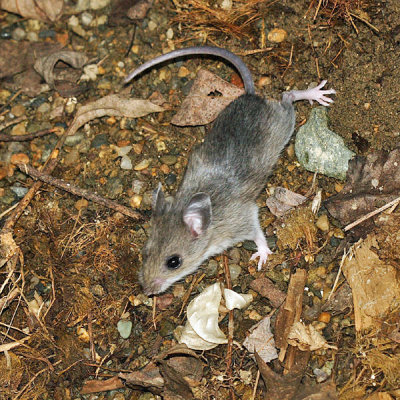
(262, 341)
(112, 105)
(44, 10)
(283, 200)
(208, 96)
(45, 65)
(307, 338)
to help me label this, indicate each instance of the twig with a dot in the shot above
(25, 138)
(255, 385)
(372, 213)
(31, 381)
(338, 275)
(289, 62)
(68, 187)
(256, 51)
(317, 10)
(228, 359)
(374, 28)
(16, 94)
(8, 210)
(13, 122)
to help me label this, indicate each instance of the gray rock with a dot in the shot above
(124, 328)
(74, 139)
(169, 159)
(318, 149)
(19, 191)
(99, 140)
(235, 271)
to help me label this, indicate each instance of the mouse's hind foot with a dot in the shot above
(263, 251)
(311, 94)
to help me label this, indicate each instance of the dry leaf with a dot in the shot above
(375, 284)
(208, 96)
(283, 200)
(45, 65)
(266, 288)
(44, 10)
(307, 338)
(371, 180)
(112, 105)
(262, 341)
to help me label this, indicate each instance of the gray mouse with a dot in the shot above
(215, 205)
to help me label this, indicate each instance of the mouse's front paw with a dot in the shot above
(320, 95)
(263, 254)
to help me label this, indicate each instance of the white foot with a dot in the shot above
(263, 251)
(311, 94)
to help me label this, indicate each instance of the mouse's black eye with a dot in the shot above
(173, 262)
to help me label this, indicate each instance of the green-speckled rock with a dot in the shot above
(318, 149)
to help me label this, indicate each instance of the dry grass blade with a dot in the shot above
(201, 17)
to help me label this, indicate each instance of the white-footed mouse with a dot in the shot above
(215, 205)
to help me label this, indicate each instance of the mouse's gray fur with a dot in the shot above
(215, 205)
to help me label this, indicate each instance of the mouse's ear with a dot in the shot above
(158, 201)
(197, 214)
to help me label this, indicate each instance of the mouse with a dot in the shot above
(215, 206)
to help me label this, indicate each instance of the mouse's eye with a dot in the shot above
(173, 262)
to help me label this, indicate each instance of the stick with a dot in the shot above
(25, 138)
(68, 187)
(372, 213)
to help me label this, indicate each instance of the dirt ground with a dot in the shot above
(69, 274)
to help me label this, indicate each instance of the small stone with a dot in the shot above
(170, 179)
(135, 49)
(138, 148)
(255, 316)
(324, 317)
(83, 334)
(212, 268)
(19, 129)
(165, 169)
(339, 187)
(235, 271)
(142, 165)
(124, 328)
(19, 158)
(152, 26)
(44, 108)
(86, 18)
(183, 72)
(338, 233)
(135, 201)
(97, 290)
(169, 159)
(3, 172)
(367, 106)
(170, 33)
(264, 81)
(32, 36)
(137, 186)
(323, 223)
(234, 255)
(18, 34)
(126, 163)
(160, 145)
(277, 35)
(166, 328)
(18, 110)
(81, 204)
(249, 245)
(19, 191)
(99, 4)
(99, 140)
(74, 139)
(178, 290)
(71, 158)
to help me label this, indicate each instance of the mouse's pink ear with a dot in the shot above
(158, 201)
(197, 214)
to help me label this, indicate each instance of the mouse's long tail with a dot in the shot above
(235, 60)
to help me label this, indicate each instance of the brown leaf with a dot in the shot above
(371, 182)
(375, 284)
(283, 200)
(149, 377)
(112, 105)
(323, 391)
(175, 385)
(266, 288)
(208, 96)
(94, 386)
(45, 66)
(44, 10)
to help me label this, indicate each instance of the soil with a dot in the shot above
(79, 263)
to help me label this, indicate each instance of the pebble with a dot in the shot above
(114, 187)
(18, 34)
(212, 268)
(74, 139)
(235, 271)
(160, 145)
(97, 290)
(71, 158)
(178, 290)
(47, 33)
(152, 26)
(135, 201)
(264, 81)
(19, 129)
(44, 108)
(137, 186)
(99, 140)
(138, 148)
(18, 110)
(169, 159)
(147, 396)
(165, 169)
(86, 18)
(126, 163)
(277, 35)
(99, 4)
(20, 191)
(19, 158)
(142, 165)
(183, 72)
(3, 173)
(234, 255)
(166, 328)
(124, 328)
(32, 36)
(249, 245)
(170, 179)
(323, 223)
(170, 33)
(324, 317)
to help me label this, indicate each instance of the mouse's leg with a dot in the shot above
(263, 251)
(315, 93)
